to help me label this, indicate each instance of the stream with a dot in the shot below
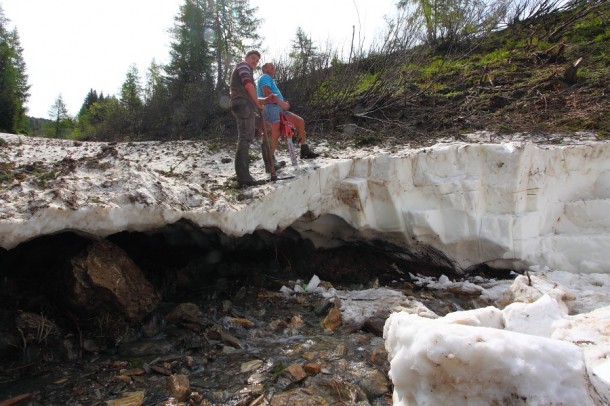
(245, 332)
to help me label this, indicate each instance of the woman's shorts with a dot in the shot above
(271, 113)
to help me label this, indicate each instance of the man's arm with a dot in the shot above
(252, 92)
(282, 103)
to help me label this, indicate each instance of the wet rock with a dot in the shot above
(105, 276)
(145, 347)
(278, 325)
(375, 384)
(185, 339)
(260, 400)
(228, 350)
(333, 319)
(196, 399)
(128, 399)
(161, 370)
(298, 397)
(339, 352)
(322, 307)
(379, 355)
(133, 372)
(245, 323)
(256, 379)
(179, 386)
(374, 325)
(218, 333)
(296, 322)
(310, 356)
(227, 305)
(335, 389)
(189, 362)
(313, 368)
(153, 324)
(296, 372)
(186, 313)
(251, 365)
(123, 378)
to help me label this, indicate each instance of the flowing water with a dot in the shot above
(229, 337)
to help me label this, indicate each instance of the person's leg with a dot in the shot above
(275, 135)
(299, 123)
(271, 113)
(266, 145)
(246, 128)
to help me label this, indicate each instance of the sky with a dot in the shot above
(72, 46)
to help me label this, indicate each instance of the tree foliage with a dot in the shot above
(190, 71)
(426, 43)
(449, 22)
(58, 113)
(131, 90)
(303, 54)
(230, 30)
(14, 90)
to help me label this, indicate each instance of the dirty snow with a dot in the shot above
(514, 204)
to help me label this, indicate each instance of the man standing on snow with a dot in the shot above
(271, 113)
(245, 104)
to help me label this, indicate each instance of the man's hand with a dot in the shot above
(272, 98)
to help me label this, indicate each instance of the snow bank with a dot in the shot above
(520, 203)
(531, 352)
(481, 203)
(435, 363)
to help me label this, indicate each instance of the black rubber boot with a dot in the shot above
(242, 166)
(307, 153)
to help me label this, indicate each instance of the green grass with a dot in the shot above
(367, 139)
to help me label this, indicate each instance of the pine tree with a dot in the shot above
(131, 90)
(90, 99)
(154, 88)
(303, 53)
(156, 117)
(14, 90)
(84, 120)
(190, 54)
(232, 32)
(59, 114)
(190, 75)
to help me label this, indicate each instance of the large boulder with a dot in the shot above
(104, 276)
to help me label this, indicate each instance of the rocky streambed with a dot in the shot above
(206, 320)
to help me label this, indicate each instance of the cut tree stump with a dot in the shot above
(570, 74)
